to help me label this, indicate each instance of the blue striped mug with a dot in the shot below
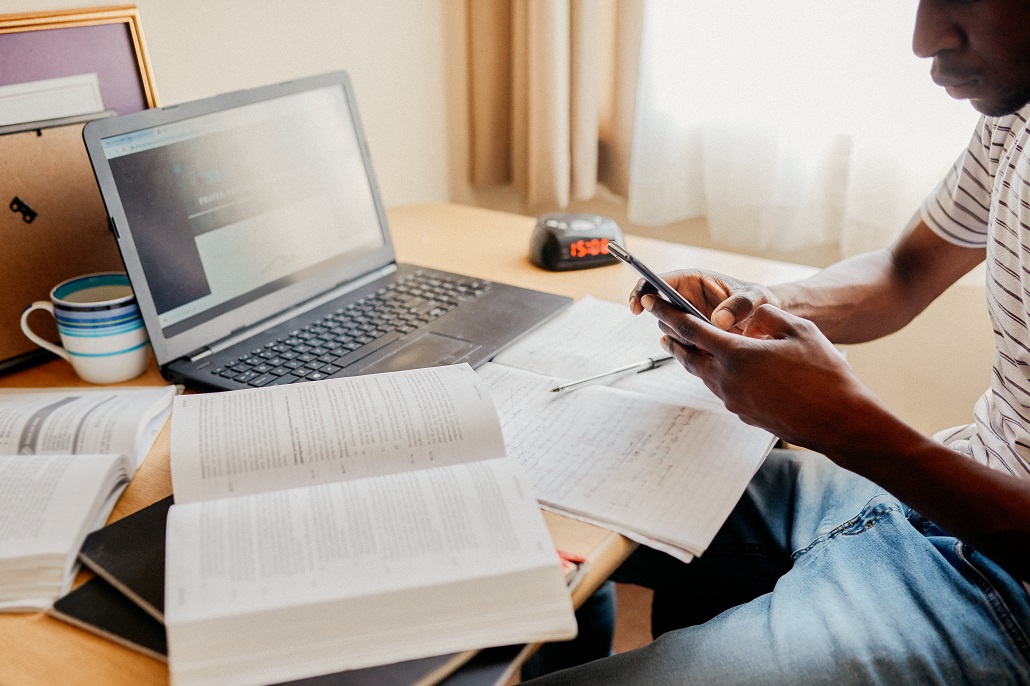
(101, 329)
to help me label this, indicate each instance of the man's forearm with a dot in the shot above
(852, 301)
(871, 295)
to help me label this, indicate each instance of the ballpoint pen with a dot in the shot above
(641, 366)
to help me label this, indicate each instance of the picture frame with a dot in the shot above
(53, 224)
(107, 41)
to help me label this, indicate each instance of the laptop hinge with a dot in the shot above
(246, 332)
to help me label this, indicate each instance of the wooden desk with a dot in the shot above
(35, 649)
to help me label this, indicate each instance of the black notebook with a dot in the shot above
(100, 608)
(130, 555)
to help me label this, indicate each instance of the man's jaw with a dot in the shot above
(966, 84)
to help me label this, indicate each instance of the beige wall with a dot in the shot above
(394, 51)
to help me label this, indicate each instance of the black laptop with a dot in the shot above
(256, 241)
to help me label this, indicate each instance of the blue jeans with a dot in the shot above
(822, 577)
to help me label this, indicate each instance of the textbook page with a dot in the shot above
(72, 421)
(266, 439)
(276, 586)
(50, 504)
(593, 336)
(649, 469)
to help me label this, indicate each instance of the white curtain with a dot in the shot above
(788, 124)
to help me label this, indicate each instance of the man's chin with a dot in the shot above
(1000, 107)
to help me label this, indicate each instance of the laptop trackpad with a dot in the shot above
(429, 350)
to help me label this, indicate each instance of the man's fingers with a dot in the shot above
(737, 308)
(641, 288)
(772, 322)
(693, 359)
(685, 328)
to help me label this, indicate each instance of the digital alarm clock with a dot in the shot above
(563, 241)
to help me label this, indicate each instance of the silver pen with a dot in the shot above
(642, 366)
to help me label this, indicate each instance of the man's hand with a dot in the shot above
(779, 373)
(728, 302)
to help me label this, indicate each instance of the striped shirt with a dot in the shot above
(984, 202)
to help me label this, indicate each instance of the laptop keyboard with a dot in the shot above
(351, 333)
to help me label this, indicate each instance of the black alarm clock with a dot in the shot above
(563, 241)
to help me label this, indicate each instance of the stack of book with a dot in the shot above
(124, 603)
(331, 527)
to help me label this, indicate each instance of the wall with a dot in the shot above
(393, 50)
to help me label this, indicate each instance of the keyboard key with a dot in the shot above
(364, 351)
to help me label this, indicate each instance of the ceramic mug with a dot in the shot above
(100, 326)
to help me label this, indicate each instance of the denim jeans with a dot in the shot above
(822, 577)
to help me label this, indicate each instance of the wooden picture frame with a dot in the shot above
(53, 224)
(105, 40)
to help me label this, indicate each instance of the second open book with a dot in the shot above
(347, 523)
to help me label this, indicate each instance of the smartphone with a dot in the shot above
(669, 293)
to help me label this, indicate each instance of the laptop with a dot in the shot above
(256, 241)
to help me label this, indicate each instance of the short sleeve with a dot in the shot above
(959, 208)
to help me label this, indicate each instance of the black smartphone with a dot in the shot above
(668, 292)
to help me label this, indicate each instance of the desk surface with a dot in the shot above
(36, 649)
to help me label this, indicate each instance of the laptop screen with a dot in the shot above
(232, 205)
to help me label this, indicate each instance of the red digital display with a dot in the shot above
(589, 248)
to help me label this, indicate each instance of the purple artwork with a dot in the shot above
(104, 49)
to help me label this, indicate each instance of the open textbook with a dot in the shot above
(347, 523)
(653, 455)
(65, 457)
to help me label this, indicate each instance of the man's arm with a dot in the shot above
(856, 300)
(871, 295)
